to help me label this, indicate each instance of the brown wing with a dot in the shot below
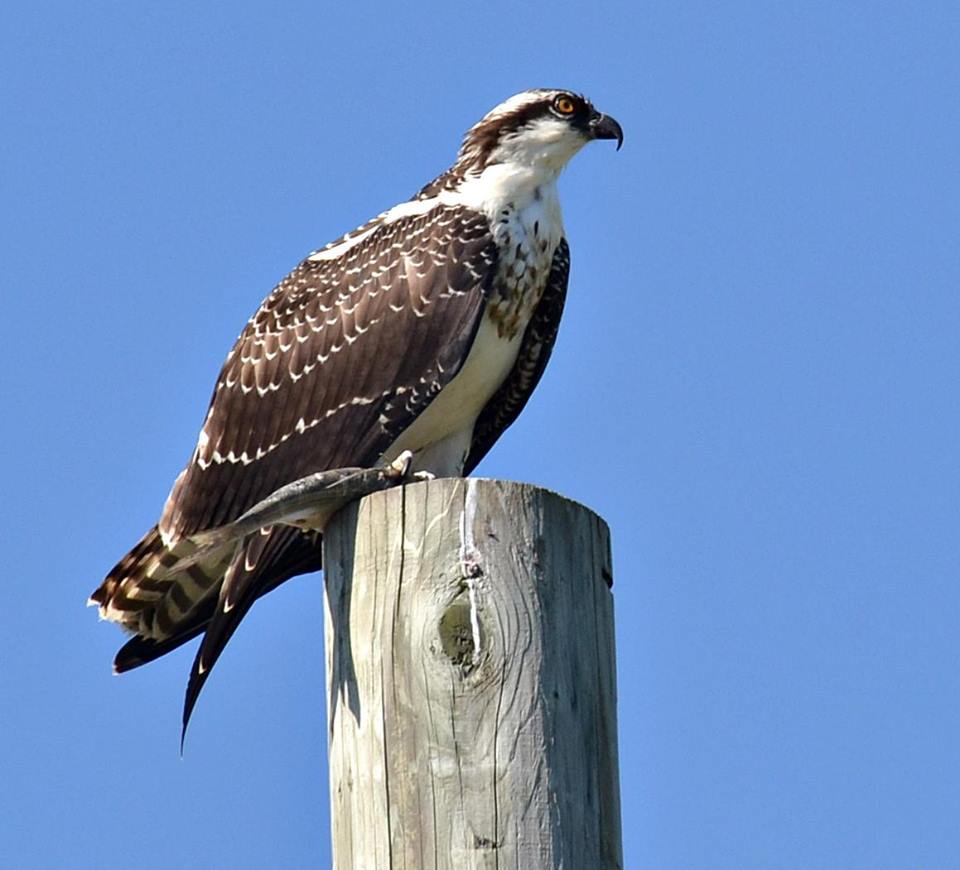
(506, 404)
(340, 358)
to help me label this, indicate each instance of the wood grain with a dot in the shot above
(471, 681)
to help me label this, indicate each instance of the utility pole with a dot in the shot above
(471, 681)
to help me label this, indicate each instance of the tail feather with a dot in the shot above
(149, 594)
(166, 596)
(142, 650)
(301, 557)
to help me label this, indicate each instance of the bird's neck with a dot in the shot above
(513, 186)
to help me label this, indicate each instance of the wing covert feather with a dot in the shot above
(337, 362)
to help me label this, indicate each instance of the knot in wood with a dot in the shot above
(457, 635)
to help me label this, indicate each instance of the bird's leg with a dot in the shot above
(306, 503)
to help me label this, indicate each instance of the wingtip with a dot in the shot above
(185, 722)
(198, 676)
(189, 702)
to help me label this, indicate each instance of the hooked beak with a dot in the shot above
(604, 127)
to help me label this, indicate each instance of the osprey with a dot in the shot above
(422, 332)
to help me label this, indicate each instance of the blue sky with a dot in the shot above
(755, 384)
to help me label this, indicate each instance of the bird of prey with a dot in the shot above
(421, 333)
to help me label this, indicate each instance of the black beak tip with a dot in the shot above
(605, 127)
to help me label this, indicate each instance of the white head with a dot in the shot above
(542, 128)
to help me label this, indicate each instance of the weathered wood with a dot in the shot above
(471, 681)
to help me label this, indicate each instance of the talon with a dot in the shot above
(424, 475)
(401, 465)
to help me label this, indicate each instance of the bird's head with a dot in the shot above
(543, 127)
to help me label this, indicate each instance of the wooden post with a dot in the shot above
(471, 681)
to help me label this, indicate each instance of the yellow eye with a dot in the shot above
(564, 105)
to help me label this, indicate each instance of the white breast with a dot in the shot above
(440, 437)
(525, 219)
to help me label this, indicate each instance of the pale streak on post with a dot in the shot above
(445, 755)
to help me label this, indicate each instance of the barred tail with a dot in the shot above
(165, 596)
(150, 594)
